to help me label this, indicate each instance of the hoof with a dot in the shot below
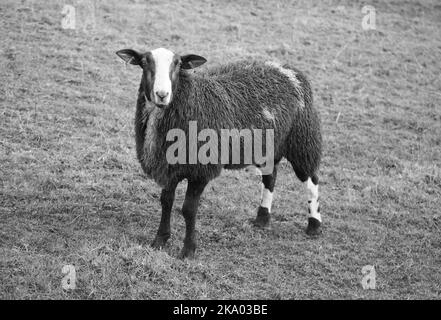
(263, 218)
(187, 253)
(159, 242)
(313, 228)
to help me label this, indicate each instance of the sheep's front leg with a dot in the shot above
(189, 211)
(167, 199)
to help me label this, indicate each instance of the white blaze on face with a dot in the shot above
(162, 87)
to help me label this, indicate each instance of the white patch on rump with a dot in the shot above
(163, 59)
(267, 114)
(292, 76)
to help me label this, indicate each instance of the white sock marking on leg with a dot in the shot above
(313, 200)
(267, 199)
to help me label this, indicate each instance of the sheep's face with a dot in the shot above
(161, 71)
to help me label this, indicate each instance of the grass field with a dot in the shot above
(72, 191)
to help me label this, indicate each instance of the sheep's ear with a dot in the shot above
(191, 61)
(130, 56)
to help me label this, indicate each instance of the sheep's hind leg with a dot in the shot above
(167, 199)
(264, 212)
(314, 218)
(189, 211)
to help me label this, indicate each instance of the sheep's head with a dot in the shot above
(161, 71)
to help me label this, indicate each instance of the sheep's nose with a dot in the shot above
(162, 94)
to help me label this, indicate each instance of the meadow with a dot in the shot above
(73, 193)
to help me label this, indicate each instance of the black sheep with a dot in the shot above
(240, 95)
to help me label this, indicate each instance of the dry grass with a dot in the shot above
(71, 191)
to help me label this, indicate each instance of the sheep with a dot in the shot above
(243, 94)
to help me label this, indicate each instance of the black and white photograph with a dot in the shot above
(220, 150)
